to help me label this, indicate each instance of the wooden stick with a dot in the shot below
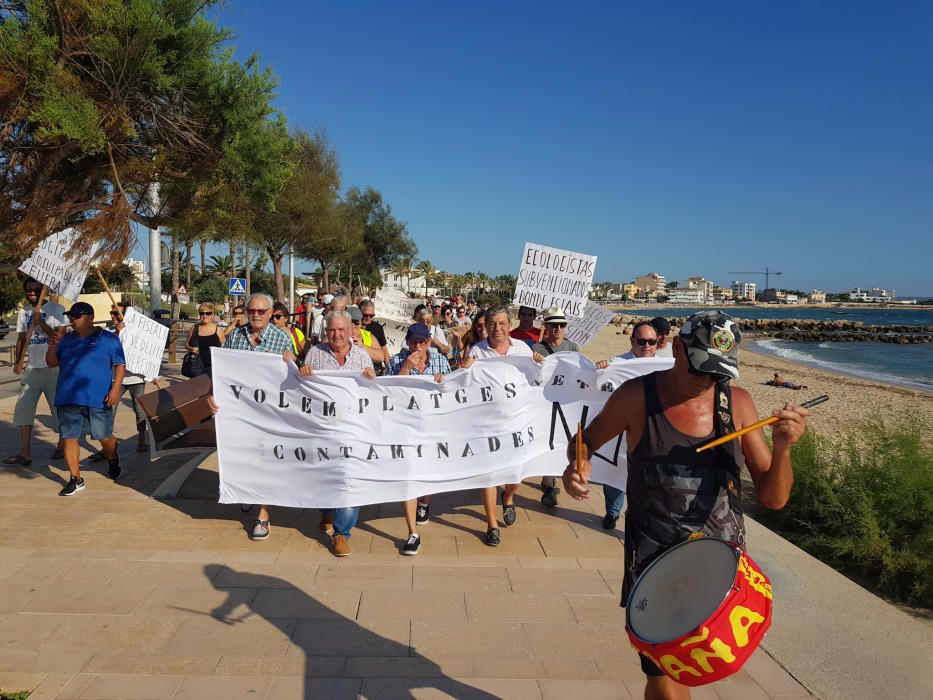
(760, 424)
(109, 294)
(579, 463)
(39, 303)
(541, 334)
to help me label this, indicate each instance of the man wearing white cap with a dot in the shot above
(555, 326)
(317, 325)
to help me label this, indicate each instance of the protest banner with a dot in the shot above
(595, 317)
(553, 277)
(395, 304)
(55, 264)
(143, 343)
(395, 333)
(338, 439)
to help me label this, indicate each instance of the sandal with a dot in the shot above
(18, 460)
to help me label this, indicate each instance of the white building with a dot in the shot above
(743, 290)
(875, 294)
(416, 284)
(686, 296)
(139, 271)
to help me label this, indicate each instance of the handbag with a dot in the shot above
(192, 365)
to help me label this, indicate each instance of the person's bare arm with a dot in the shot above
(615, 418)
(189, 345)
(20, 352)
(51, 353)
(374, 351)
(116, 389)
(771, 470)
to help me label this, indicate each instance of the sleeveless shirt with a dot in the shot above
(674, 491)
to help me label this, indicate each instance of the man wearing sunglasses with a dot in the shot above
(677, 493)
(91, 370)
(258, 334)
(644, 342)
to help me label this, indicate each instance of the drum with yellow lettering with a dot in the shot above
(699, 610)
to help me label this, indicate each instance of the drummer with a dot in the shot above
(674, 491)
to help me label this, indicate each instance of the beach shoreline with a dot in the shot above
(854, 400)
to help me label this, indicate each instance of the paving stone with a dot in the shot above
(470, 639)
(363, 578)
(596, 608)
(772, 678)
(311, 666)
(571, 669)
(494, 688)
(624, 668)
(518, 607)
(17, 681)
(407, 688)
(223, 688)
(351, 638)
(590, 689)
(201, 600)
(318, 605)
(601, 641)
(265, 576)
(19, 631)
(461, 578)
(74, 686)
(87, 598)
(152, 663)
(409, 605)
(51, 686)
(557, 581)
(179, 574)
(131, 687)
(329, 688)
(239, 636)
(44, 661)
(411, 667)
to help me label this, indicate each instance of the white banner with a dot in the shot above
(395, 333)
(395, 304)
(143, 343)
(595, 317)
(554, 277)
(55, 264)
(338, 439)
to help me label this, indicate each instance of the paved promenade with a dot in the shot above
(110, 594)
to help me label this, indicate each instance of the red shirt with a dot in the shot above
(529, 336)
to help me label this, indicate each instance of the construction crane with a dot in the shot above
(767, 273)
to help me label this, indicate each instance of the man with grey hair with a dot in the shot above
(338, 352)
(338, 302)
(438, 337)
(371, 325)
(259, 335)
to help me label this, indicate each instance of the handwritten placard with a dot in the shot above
(553, 277)
(595, 317)
(395, 304)
(55, 264)
(143, 342)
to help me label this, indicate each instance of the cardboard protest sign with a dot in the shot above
(582, 330)
(55, 264)
(395, 304)
(554, 277)
(143, 342)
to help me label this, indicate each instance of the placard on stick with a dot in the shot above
(55, 263)
(554, 277)
(595, 317)
(143, 343)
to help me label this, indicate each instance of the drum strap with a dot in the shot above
(730, 474)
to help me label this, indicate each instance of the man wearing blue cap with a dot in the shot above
(417, 360)
(90, 382)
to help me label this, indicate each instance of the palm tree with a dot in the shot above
(401, 267)
(219, 265)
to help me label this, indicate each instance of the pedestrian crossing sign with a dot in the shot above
(237, 286)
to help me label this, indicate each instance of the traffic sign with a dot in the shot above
(182, 289)
(237, 286)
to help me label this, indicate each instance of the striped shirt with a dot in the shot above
(271, 339)
(321, 357)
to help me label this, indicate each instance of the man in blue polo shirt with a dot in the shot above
(90, 379)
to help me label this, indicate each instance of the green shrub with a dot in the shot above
(865, 507)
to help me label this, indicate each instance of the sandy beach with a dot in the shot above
(852, 400)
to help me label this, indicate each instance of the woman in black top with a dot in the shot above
(205, 335)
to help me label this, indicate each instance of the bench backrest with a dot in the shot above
(177, 408)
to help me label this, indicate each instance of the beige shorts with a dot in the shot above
(34, 383)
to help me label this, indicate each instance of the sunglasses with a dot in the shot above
(256, 312)
(205, 313)
(237, 313)
(278, 316)
(557, 325)
(646, 341)
(369, 315)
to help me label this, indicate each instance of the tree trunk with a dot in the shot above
(176, 275)
(203, 243)
(325, 276)
(233, 258)
(276, 257)
(246, 265)
(188, 246)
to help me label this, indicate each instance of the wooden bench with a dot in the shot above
(179, 419)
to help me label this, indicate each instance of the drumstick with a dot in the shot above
(579, 463)
(113, 301)
(760, 424)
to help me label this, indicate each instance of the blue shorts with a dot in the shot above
(77, 421)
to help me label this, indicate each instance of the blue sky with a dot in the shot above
(678, 137)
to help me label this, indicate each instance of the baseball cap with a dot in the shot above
(418, 331)
(712, 341)
(355, 313)
(80, 309)
(661, 325)
(327, 298)
(554, 315)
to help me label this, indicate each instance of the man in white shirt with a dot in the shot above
(663, 329)
(644, 342)
(34, 327)
(499, 344)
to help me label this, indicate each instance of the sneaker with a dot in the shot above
(492, 537)
(422, 513)
(341, 546)
(549, 497)
(113, 467)
(261, 530)
(609, 522)
(97, 457)
(508, 514)
(75, 484)
(327, 522)
(412, 546)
